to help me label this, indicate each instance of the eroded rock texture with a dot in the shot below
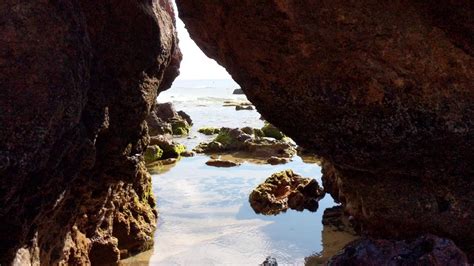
(382, 91)
(286, 190)
(77, 79)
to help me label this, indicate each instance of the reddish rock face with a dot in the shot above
(383, 92)
(77, 81)
(386, 88)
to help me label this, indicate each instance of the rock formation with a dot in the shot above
(163, 119)
(247, 141)
(284, 190)
(77, 81)
(382, 92)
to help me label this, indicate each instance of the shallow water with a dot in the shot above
(204, 214)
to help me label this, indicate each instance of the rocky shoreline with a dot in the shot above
(383, 97)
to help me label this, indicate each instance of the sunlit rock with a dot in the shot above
(285, 190)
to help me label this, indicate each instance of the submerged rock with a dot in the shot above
(285, 190)
(221, 163)
(424, 250)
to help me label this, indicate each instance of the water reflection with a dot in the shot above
(337, 232)
(205, 217)
(204, 214)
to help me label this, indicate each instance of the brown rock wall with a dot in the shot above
(77, 80)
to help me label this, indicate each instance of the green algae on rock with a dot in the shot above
(285, 190)
(271, 131)
(174, 151)
(153, 153)
(237, 140)
(164, 119)
(209, 130)
(170, 148)
(180, 127)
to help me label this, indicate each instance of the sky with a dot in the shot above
(195, 64)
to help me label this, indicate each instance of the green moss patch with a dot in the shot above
(209, 130)
(271, 131)
(153, 153)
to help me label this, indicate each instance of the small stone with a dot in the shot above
(221, 163)
(188, 154)
(238, 91)
(277, 160)
(239, 108)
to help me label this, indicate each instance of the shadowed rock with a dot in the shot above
(382, 92)
(163, 119)
(238, 91)
(425, 250)
(78, 79)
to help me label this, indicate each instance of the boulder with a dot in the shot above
(153, 153)
(285, 190)
(164, 119)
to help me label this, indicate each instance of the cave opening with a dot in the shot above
(205, 214)
(384, 96)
